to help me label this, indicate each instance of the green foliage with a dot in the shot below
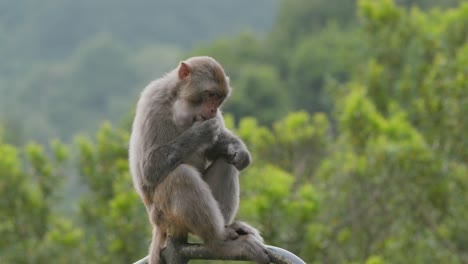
(269, 193)
(62, 244)
(76, 90)
(420, 66)
(302, 18)
(296, 143)
(385, 175)
(327, 54)
(111, 211)
(29, 228)
(258, 92)
(390, 170)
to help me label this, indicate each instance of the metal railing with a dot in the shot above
(180, 252)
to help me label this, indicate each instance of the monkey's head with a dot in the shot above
(204, 87)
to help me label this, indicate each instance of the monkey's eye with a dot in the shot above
(211, 95)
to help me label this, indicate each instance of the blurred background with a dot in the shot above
(355, 113)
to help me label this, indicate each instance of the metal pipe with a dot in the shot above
(180, 252)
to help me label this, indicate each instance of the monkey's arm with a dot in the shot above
(232, 148)
(161, 159)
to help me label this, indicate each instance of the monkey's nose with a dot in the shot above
(212, 113)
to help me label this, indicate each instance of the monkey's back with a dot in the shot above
(150, 115)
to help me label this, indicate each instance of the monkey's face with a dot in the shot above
(199, 106)
(209, 105)
(206, 96)
(205, 89)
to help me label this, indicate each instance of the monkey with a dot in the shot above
(185, 163)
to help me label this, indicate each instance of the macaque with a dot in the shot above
(185, 163)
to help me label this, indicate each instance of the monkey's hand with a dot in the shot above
(238, 155)
(206, 133)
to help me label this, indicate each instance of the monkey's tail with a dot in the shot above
(159, 238)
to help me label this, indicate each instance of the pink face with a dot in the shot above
(210, 106)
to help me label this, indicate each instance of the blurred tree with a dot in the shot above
(30, 229)
(299, 19)
(113, 217)
(428, 3)
(398, 173)
(100, 78)
(387, 170)
(95, 53)
(259, 92)
(78, 95)
(420, 65)
(270, 192)
(329, 54)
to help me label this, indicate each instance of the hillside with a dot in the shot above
(68, 65)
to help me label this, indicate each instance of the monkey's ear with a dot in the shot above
(184, 70)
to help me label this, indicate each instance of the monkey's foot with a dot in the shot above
(242, 228)
(246, 246)
(231, 233)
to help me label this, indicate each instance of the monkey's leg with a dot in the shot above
(159, 238)
(188, 204)
(223, 180)
(182, 202)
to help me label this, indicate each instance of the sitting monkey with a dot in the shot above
(185, 163)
